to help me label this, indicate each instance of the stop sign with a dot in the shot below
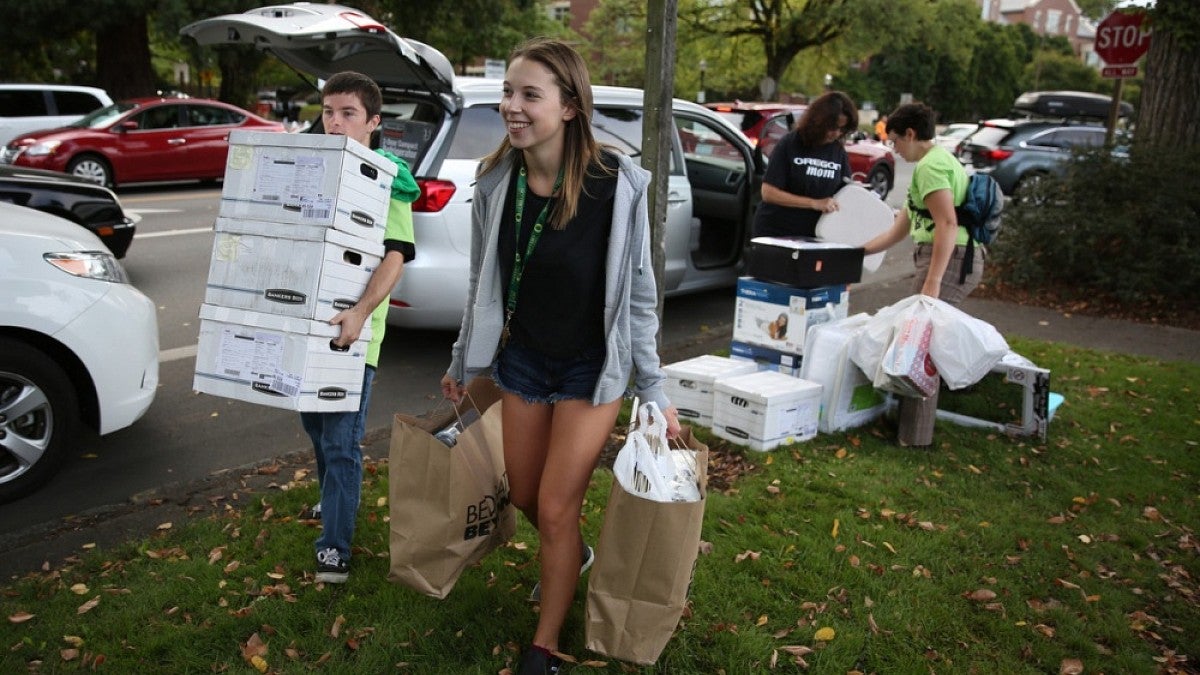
(1120, 39)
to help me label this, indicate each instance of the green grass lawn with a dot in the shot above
(987, 554)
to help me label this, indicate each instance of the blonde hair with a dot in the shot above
(580, 149)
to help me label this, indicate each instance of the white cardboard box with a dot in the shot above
(778, 317)
(307, 179)
(689, 384)
(848, 397)
(261, 267)
(766, 409)
(278, 361)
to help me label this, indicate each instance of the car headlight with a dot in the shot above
(43, 148)
(90, 264)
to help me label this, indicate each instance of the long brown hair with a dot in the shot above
(821, 117)
(580, 149)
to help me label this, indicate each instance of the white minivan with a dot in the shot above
(442, 124)
(33, 107)
(78, 345)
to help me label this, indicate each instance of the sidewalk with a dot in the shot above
(28, 551)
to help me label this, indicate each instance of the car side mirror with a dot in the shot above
(128, 125)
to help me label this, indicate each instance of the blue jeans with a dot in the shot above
(538, 378)
(335, 438)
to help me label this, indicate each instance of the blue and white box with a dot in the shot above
(778, 317)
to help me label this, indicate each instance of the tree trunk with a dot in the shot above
(239, 68)
(123, 58)
(1171, 92)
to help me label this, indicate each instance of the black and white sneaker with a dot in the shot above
(589, 557)
(313, 513)
(331, 569)
(539, 661)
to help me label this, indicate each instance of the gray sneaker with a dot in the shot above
(589, 557)
(331, 569)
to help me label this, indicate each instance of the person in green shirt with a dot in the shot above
(939, 183)
(350, 106)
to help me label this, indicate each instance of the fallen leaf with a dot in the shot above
(337, 626)
(259, 663)
(762, 620)
(73, 640)
(1045, 630)
(20, 617)
(88, 606)
(1151, 513)
(164, 526)
(1070, 667)
(824, 634)
(69, 654)
(982, 595)
(753, 555)
(834, 533)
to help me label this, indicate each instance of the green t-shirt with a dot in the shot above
(399, 228)
(937, 170)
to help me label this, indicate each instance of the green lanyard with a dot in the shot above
(519, 260)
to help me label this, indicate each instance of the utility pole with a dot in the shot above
(658, 126)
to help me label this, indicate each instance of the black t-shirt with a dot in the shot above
(560, 302)
(816, 173)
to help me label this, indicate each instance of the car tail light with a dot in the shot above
(363, 22)
(435, 194)
(996, 154)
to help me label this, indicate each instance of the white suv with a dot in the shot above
(33, 107)
(78, 344)
(442, 125)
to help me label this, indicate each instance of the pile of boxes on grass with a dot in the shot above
(298, 235)
(789, 373)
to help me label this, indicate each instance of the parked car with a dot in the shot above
(30, 107)
(78, 345)
(140, 140)
(442, 125)
(872, 163)
(953, 134)
(1018, 153)
(76, 199)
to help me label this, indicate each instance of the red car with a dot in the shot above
(145, 139)
(765, 123)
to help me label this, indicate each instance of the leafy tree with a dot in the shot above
(783, 29)
(1051, 70)
(615, 31)
(466, 30)
(122, 52)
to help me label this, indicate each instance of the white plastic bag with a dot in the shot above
(647, 467)
(906, 367)
(873, 338)
(963, 347)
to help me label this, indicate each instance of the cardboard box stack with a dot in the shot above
(299, 233)
(795, 283)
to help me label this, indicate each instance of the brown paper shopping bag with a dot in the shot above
(449, 505)
(644, 563)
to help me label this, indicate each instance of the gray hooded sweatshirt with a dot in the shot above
(630, 294)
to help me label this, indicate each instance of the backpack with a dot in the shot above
(981, 208)
(980, 213)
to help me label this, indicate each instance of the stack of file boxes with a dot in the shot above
(299, 233)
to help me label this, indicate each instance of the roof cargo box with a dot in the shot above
(1067, 104)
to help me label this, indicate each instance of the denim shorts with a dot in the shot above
(538, 378)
